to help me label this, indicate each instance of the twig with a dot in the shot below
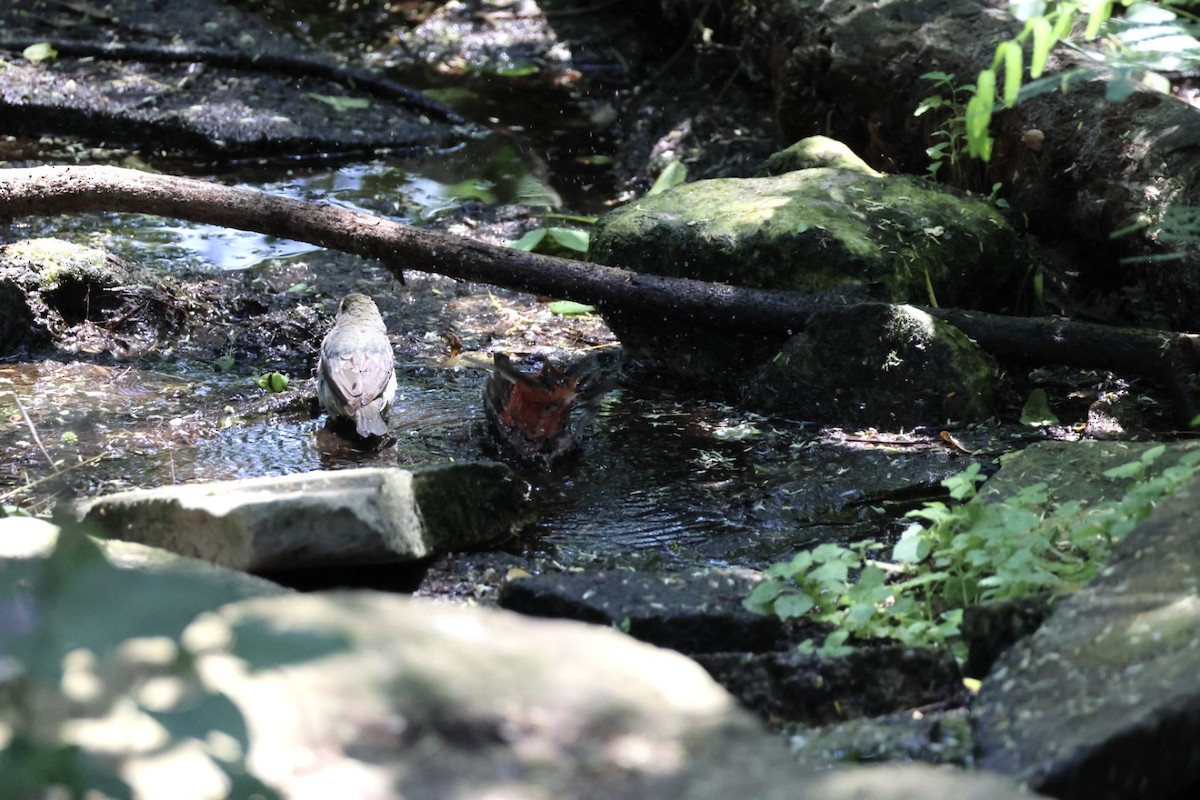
(33, 430)
(51, 476)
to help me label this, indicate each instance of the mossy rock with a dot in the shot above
(814, 152)
(47, 285)
(887, 238)
(878, 365)
(830, 232)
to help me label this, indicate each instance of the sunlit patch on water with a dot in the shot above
(408, 190)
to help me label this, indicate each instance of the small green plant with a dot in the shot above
(950, 102)
(844, 588)
(957, 555)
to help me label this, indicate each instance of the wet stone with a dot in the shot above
(694, 612)
(789, 686)
(322, 519)
(1102, 701)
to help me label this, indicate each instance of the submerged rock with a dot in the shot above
(315, 519)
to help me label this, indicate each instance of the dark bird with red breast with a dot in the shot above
(537, 413)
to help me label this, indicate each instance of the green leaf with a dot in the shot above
(1043, 43)
(930, 103)
(979, 116)
(1036, 412)
(763, 595)
(962, 485)
(529, 241)
(569, 308)
(1064, 17)
(274, 382)
(472, 189)
(913, 547)
(1010, 54)
(570, 242)
(938, 77)
(831, 573)
(1100, 12)
(37, 53)
(673, 174)
(571, 238)
(793, 605)
(339, 103)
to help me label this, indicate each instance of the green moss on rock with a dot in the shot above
(884, 237)
(879, 365)
(815, 152)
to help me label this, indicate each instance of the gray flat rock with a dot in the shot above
(343, 517)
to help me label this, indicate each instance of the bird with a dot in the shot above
(538, 415)
(356, 373)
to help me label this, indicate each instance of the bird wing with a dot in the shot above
(359, 377)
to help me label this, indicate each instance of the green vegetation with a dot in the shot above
(1149, 37)
(274, 382)
(89, 649)
(955, 556)
(554, 241)
(949, 98)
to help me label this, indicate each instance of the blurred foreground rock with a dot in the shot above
(374, 696)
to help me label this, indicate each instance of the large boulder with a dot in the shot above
(841, 234)
(367, 695)
(890, 238)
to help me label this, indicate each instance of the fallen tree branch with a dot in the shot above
(42, 191)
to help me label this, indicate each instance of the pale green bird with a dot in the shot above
(356, 375)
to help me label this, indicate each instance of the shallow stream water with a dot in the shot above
(665, 477)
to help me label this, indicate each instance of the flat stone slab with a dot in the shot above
(342, 517)
(1103, 701)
